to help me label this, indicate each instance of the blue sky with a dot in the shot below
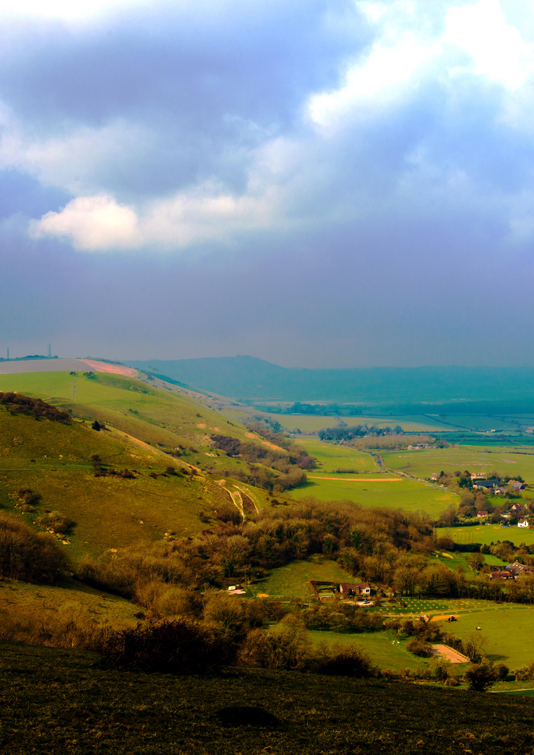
(315, 183)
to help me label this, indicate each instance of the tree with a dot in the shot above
(96, 425)
(474, 647)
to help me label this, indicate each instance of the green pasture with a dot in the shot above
(487, 534)
(402, 494)
(308, 423)
(330, 457)
(508, 632)
(292, 581)
(509, 461)
(457, 559)
(409, 607)
(386, 650)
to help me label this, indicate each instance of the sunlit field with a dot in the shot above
(505, 460)
(487, 534)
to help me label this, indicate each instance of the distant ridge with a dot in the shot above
(249, 378)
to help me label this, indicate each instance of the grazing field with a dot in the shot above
(487, 534)
(508, 633)
(330, 457)
(292, 581)
(385, 649)
(308, 423)
(505, 460)
(401, 494)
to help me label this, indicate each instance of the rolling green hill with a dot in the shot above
(147, 431)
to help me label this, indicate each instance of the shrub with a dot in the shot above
(26, 499)
(525, 674)
(181, 646)
(289, 649)
(16, 403)
(28, 556)
(480, 676)
(58, 523)
(419, 647)
(502, 672)
(343, 660)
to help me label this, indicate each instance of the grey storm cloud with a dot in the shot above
(314, 182)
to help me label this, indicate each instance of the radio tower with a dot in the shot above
(8, 352)
(49, 350)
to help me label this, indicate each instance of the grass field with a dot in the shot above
(386, 651)
(375, 491)
(505, 460)
(307, 423)
(404, 494)
(508, 633)
(330, 457)
(292, 581)
(487, 534)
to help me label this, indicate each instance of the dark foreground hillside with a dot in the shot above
(55, 701)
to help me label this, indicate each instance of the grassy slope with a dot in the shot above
(58, 701)
(111, 512)
(72, 598)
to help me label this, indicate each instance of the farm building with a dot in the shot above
(352, 590)
(322, 589)
(486, 484)
(523, 523)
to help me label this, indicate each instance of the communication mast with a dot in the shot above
(8, 352)
(49, 350)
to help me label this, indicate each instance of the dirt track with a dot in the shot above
(451, 655)
(357, 479)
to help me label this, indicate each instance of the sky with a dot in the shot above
(318, 183)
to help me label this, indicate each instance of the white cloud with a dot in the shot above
(91, 223)
(497, 49)
(380, 80)
(99, 223)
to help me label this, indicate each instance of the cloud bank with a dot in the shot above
(354, 145)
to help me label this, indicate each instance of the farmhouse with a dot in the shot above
(322, 589)
(502, 575)
(486, 484)
(478, 476)
(523, 523)
(517, 485)
(364, 588)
